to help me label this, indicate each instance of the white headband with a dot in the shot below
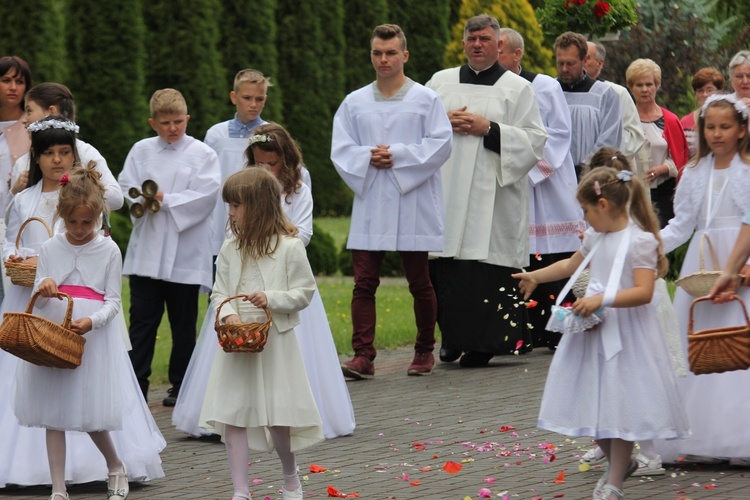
(45, 124)
(738, 104)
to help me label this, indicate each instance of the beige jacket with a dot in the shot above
(288, 281)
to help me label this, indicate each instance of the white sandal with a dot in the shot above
(609, 490)
(58, 494)
(240, 496)
(118, 492)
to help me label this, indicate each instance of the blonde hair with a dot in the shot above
(251, 76)
(167, 101)
(258, 193)
(642, 67)
(84, 188)
(279, 142)
(743, 146)
(624, 195)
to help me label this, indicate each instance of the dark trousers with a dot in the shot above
(147, 299)
(366, 280)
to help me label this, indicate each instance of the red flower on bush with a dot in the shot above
(601, 9)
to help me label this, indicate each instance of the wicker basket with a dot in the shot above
(700, 283)
(39, 340)
(242, 337)
(719, 350)
(23, 274)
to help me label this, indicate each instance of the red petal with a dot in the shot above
(452, 467)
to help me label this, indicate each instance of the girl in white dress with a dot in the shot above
(711, 199)
(272, 145)
(23, 448)
(614, 381)
(95, 397)
(262, 400)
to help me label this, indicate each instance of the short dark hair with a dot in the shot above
(45, 139)
(480, 22)
(8, 63)
(48, 94)
(570, 39)
(388, 31)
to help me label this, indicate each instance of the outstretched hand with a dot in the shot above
(527, 285)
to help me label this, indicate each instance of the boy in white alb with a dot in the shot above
(168, 258)
(229, 138)
(390, 139)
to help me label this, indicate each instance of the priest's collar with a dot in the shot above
(487, 76)
(525, 73)
(582, 85)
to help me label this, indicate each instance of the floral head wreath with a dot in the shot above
(253, 139)
(732, 99)
(46, 124)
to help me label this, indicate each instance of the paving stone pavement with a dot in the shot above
(407, 429)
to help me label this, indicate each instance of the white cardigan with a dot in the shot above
(289, 281)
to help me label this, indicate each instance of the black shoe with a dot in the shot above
(449, 355)
(475, 359)
(171, 399)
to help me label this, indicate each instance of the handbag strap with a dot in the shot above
(701, 299)
(706, 240)
(564, 292)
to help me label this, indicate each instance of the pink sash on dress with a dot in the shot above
(81, 292)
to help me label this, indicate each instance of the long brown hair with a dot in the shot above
(624, 195)
(280, 142)
(258, 193)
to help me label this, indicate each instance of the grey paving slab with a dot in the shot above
(407, 429)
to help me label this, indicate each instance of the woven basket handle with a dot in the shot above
(706, 239)
(241, 296)
(68, 313)
(702, 299)
(23, 226)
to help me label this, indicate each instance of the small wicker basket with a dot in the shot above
(719, 350)
(242, 337)
(23, 274)
(700, 283)
(40, 341)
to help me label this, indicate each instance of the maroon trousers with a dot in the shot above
(366, 280)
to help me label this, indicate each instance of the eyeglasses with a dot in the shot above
(706, 91)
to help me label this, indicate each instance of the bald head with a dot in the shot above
(594, 61)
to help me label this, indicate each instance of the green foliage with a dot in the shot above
(588, 17)
(391, 266)
(321, 252)
(311, 70)
(669, 33)
(121, 228)
(258, 51)
(183, 54)
(360, 18)
(676, 258)
(737, 15)
(107, 74)
(35, 32)
(516, 14)
(426, 27)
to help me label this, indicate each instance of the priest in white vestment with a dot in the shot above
(594, 106)
(498, 137)
(555, 216)
(390, 139)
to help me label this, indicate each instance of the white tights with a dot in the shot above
(56, 449)
(238, 455)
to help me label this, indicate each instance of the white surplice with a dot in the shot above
(399, 208)
(173, 244)
(555, 216)
(632, 133)
(487, 194)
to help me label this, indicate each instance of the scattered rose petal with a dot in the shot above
(485, 493)
(489, 480)
(425, 469)
(531, 303)
(317, 468)
(452, 467)
(560, 478)
(415, 483)
(519, 344)
(584, 467)
(257, 481)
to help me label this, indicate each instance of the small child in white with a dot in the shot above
(95, 397)
(273, 407)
